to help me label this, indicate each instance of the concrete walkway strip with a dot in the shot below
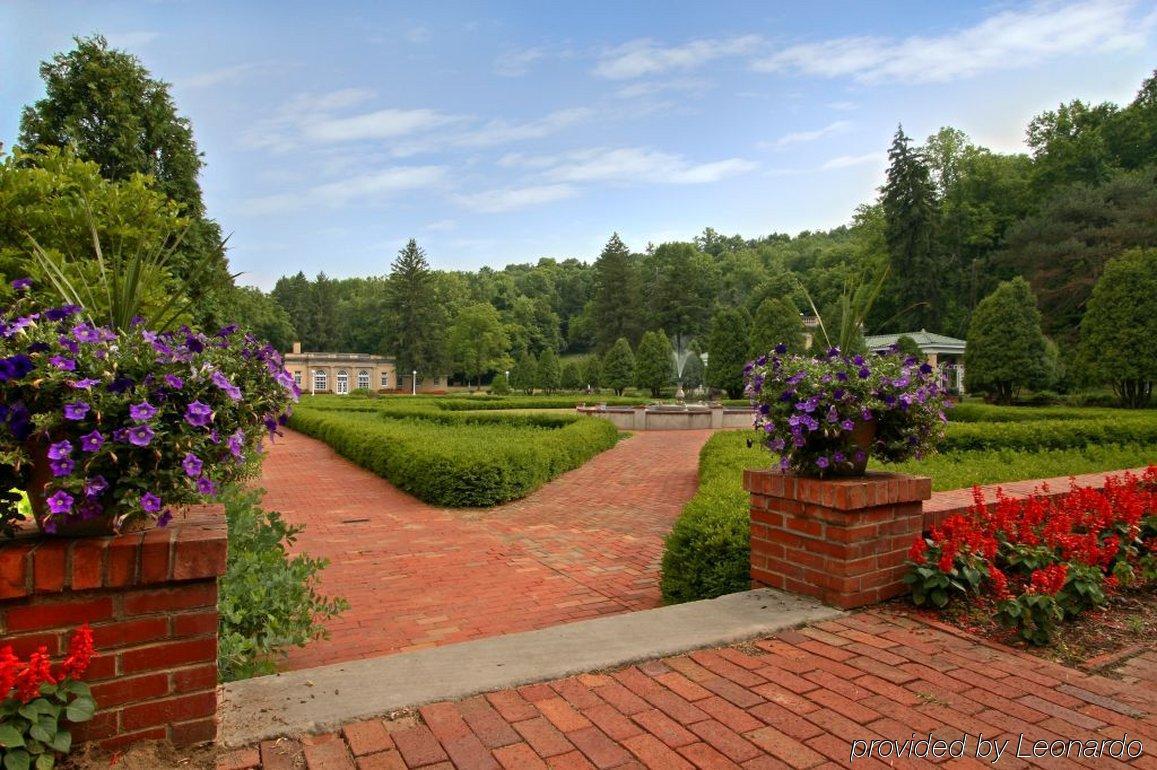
(323, 698)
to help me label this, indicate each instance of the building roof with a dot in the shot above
(353, 358)
(927, 341)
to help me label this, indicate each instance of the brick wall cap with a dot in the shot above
(845, 493)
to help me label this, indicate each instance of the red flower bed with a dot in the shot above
(1042, 558)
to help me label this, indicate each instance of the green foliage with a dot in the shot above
(477, 342)
(727, 348)
(500, 386)
(618, 367)
(33, 734)
(549, 376)
(419, 318)
(1119, 330)
(459, 460)
(1006, 349)
(524, 374)
(906, 346)
(617, 299)
(572, 375)
(693, 369)
(909, 200)
(269, 600)
(103, 102)
(257, 312)
(776, 321)
(654, 362)
(681, 286)
(1051, 434)
(593, 371)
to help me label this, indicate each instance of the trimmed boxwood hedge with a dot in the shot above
(459, 460)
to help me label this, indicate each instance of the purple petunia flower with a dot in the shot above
(22, 284)
(140, 435)
(77, 410)
(205, 486)
(236, 442)
(198, 414)
(91, 442)
(62, 312)
(173, 381)
(848, 425)
(150, 502)
(89, 509)
(821, 462)
(60, 502)
(61, 450)
(62, 363)
(61, 467)
(192, 465)
(85, 333)
(95, 486)
(165, 517)
(142, 411)
(84, 384)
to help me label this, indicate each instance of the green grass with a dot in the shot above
(454, 458)
(707, 555)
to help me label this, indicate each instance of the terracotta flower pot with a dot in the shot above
(861, 437)
(74, 525)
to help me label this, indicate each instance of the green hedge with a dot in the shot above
(976, 411)
(459, 460)
(1063, 433)
(707, 551)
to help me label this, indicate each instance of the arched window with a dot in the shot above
(320, 380)
(343, 382)
(385, 379)
(363, 379)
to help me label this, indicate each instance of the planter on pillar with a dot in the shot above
(841, 540)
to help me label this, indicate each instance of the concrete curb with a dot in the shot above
(323, 698)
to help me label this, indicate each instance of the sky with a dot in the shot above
(503, 132)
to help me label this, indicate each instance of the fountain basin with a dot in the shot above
(671, 416)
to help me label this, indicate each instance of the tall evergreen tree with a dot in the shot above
(418, 342)
(727, 348)
(524, 375)
(104, 102)
(776, 321)
(294, 293)
(617, 306)
(549, 371)
(654, 362)
(681, 288)
(323, 308)
(1119, 330)
(910, 218)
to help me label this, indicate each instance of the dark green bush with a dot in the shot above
(460, 460)
(268, 601)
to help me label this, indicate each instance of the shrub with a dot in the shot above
(549, 376)
(458, 460)
(1063, 433)
(268, 600)
(500, 386)
(1041, 560)
(618, 367)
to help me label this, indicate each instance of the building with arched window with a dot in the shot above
(341, 372)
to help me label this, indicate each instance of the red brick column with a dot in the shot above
(151, 599)
(841, 540)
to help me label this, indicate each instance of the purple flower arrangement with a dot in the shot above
(825, 415)
(125, 426)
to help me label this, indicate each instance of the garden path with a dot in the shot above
(797, 700)
(587, 544)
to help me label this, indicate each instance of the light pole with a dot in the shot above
(414, 382)
(507, 376)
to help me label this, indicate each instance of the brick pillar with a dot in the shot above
(151, 599)
(841, 540)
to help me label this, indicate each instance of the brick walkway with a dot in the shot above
(795, 700)
(585, 545)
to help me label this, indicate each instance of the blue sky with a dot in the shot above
(504, 132)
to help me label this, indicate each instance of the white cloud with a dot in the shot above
(511, 198)
(372, 187)
(1005, 40)
(504, 131)
(846, 161)
(629, 165)
(798, 137)
(842, 106)
(655, 87)
(379, 124)
(647, 57)
(442, 225)
(222, 75)
(514, 64)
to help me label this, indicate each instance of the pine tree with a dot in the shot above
(418, 318)
(727, 348)
(1119, 330)
(617, 304)
(654, 362)
(618, 371)
(549, 371)
(593, 371)
(910, 218)
(776, 321)
(1005, 346)
(524, 375)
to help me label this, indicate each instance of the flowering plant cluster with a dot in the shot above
(1041, 559)
(826, 414)
(124, 426)
(33, 698)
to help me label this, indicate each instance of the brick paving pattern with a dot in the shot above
(795, 700)
(587, 544)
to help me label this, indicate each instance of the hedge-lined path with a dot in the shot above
(587, 544)
(795, 700)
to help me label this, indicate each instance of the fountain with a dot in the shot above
(680, 357)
